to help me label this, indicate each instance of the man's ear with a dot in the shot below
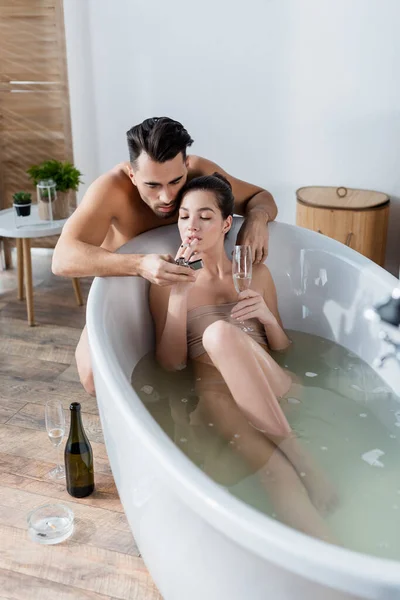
(131, 174)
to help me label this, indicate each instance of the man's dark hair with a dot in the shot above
(218, 185)
(160, 137)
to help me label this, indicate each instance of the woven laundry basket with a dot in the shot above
(357, 218)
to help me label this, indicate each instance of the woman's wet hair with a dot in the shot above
(218, 185)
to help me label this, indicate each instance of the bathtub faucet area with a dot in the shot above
(387, 313)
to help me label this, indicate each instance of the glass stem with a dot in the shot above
(58, 458)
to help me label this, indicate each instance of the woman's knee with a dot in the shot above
(86, 378)
(218, 334)
(85, 370)
(87, 381)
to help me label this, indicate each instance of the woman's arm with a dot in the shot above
(277, 338)
(168, 306)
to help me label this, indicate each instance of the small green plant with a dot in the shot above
(65, 175)
(22, 197)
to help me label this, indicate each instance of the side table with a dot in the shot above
(23, 232)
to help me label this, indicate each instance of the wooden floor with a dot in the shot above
(100, 561)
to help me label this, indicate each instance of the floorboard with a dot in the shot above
(101, 560)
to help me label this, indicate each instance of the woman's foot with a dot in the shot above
(320, 489)
(291, 502)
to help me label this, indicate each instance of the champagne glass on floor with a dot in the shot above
(242, 268)
(55, 425)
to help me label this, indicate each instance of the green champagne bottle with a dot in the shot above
(78, 457)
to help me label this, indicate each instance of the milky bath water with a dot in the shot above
(341, 410)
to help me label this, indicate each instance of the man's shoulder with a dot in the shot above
(198, 165)
(193, 160)
(116, 177)
(115, 181)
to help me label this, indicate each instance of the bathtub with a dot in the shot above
(198, 541)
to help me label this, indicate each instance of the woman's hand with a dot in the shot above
(185, 252)
(252, 305)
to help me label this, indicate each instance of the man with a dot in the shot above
(140, 195)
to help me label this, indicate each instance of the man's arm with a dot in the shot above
(78, 252)
(249, 199)
(254, 203)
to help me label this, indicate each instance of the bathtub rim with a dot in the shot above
(318, 561)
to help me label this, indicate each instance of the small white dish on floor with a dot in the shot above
(50, 523)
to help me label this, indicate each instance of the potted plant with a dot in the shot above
(22, 203)
(65, 176)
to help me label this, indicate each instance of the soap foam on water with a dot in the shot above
(372, 456)
(293, 401)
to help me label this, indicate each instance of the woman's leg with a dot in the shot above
(252, 376)
(84, 363)
(290, 499)
(285, 490)
(255, 381)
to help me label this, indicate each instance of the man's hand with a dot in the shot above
(162, 270)
(254, 233)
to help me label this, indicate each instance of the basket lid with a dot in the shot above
(340, 197)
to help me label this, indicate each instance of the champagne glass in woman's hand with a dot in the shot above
(242, 265)
(55, 425)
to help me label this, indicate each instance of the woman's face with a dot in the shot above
(200, 219)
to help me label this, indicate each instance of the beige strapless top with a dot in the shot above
(198, 319)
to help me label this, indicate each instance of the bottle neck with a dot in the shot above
(77, 431)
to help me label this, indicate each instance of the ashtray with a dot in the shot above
(50, 523)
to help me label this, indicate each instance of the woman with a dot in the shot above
(237, 380)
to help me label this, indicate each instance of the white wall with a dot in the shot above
(283, 93)
(80, 82)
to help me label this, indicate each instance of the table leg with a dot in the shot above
(7, 254)
(26, 244)
(20, 269)
(77, 290)
(5, 248)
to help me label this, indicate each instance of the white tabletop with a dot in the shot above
(27, 227)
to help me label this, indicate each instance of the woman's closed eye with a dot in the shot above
(202, 218)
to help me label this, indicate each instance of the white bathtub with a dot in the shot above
(198, 541)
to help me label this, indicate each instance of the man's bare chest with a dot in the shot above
(129, 225)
